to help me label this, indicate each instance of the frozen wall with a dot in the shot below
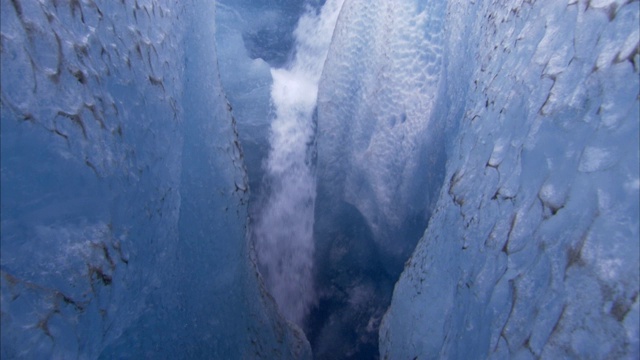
(379, 164)
(377, 145)
(123, 190)
(532, 250)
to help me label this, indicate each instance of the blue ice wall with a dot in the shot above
(379, 147)
(123, 189)
(380, 163)
(532, 250)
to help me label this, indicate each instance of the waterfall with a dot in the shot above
(283, 230)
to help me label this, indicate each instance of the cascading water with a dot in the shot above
(283, 230)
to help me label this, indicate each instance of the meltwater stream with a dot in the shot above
(283, 230)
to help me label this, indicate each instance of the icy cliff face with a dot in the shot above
(123, 190)
(377, 146)
(532, 249)
(380, 163)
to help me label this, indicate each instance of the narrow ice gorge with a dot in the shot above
(328, 179)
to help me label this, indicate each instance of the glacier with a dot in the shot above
(328, 179)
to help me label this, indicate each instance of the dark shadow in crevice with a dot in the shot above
(354, 289)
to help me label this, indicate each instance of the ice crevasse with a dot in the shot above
(489, 148)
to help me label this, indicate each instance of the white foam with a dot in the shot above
(284, 227)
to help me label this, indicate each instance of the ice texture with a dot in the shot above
(533, 247)
(380, 86)
(123, 189)
(380, 163)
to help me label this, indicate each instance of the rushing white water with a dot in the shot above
(284, 227)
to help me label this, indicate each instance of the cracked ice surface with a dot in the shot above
(123, 189)
(533, 249)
